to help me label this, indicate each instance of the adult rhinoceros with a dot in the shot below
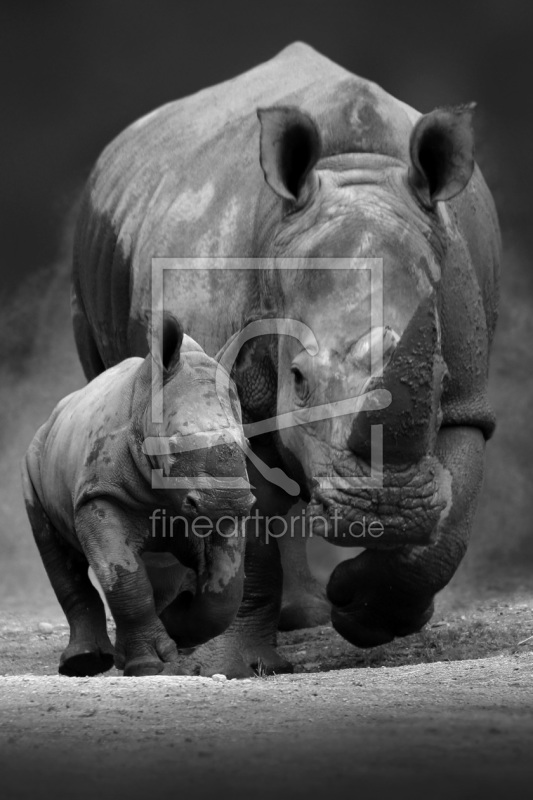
(294, 161)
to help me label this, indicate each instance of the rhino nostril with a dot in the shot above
(191, 504)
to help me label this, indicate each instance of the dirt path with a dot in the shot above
(413, 724)
(342, 733)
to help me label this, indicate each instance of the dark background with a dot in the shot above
(74, 74)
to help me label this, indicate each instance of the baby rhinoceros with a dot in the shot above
(105, 483)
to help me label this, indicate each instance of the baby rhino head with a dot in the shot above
(192, 429)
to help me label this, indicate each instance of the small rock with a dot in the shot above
(45, 627)
(218, 677)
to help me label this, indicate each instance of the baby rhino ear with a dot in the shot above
(442, 154)
(170, 344)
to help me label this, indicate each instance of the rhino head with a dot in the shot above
(339, 213)
(189, 445)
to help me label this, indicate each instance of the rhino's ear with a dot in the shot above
(170, 344)
(442, 154)
(289, 149)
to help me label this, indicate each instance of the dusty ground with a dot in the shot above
(446, 712)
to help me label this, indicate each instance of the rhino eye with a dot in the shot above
(300, 383)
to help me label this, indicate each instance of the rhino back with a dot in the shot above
(83, 443)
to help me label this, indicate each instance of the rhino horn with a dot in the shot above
(414, 377)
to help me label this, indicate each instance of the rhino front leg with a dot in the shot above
(304, 598)
(89, 651)
(379, 595)
(249, 644)
(112, 541)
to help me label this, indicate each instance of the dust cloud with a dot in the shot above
(39, 365)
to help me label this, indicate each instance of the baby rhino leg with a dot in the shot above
(89, 651)
(112, 539)
(168, 578)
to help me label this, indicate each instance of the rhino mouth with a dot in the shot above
(405, 509)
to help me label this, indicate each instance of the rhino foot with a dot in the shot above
(144, 665)
(370, 607)
(366, 629)
(267, 661)
(147, 665)
(84, 659)
(153, 654)
(306, 610)
(237, 655)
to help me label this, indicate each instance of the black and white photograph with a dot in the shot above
(266, 379)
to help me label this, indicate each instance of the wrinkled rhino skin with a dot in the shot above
(300, 158)
(89, 494)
